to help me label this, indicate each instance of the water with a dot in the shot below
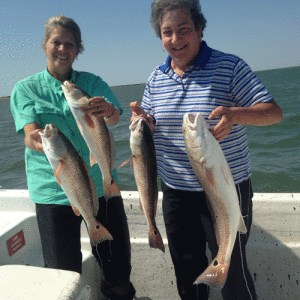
(274, 149)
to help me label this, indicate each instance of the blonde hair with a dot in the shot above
(66, 23)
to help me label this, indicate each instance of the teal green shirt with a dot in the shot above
(40, 99)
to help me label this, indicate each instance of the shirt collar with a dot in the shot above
(56, 84)
(202, 59)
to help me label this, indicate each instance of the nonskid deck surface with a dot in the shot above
(273, 250)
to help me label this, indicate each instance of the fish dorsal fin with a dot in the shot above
(112, 151)
(94, 196)
(242, 227)
(76, 211)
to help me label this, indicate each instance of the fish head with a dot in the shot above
(53, 142)
(137, 131)
(196, 133)
(75, 96)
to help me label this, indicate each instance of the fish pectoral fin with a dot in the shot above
(89, 121)
(92, 160)
(242, 227)
(209, 172)
(125, 162)
(57, 172)
(76, 211)
(226, 175)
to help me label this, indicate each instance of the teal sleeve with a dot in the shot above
(22, 108)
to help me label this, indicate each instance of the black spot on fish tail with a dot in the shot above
(216, 263)
(112, 182)
(155, 232)
(98, 226)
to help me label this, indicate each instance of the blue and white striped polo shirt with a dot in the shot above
(216, 79)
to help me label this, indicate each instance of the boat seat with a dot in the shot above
(20, 239)
(34, 283)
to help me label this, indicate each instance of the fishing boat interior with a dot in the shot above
(273, 253)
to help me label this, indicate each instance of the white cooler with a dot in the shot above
(34, 283)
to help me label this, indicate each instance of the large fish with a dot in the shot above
(72, 175)
(145, 172)
(96, 134)
(213, 173)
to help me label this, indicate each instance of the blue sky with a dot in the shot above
(120, 44)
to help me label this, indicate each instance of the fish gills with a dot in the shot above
(71, 174)
(213, 173)
(96, 135)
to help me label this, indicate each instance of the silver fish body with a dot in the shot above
(72, 175)
(96, 135)
(145, 173)
(213, 173)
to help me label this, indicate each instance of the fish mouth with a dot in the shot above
(136, 123)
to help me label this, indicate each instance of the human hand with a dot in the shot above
(138, 112)
(100, 107)
(33, 140)
(223, 128)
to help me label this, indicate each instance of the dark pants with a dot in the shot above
(189, 227)
(60, 235)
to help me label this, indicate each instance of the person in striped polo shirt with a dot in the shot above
(196, 78)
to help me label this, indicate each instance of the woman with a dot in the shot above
(38, 100)
(196, 78)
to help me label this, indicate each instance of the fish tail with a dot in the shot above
(215, 275)
(98, 233)
(156, 241)
(110, 189)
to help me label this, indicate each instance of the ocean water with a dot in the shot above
(274, 149)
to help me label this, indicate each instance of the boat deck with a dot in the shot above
(273, 250)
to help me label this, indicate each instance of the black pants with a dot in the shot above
(189, 227)
(60, 235)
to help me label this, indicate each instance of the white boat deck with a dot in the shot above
(273, 249)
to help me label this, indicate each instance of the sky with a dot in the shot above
(121, 47)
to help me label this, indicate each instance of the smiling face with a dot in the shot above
(180, 38)
(61, 52)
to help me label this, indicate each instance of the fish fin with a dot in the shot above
(210, 175)
(89, 121)
(92, 160)
(112, 151)
(215, 274)
(111, 189)
(125, 162)
(94, 196)
(57, 172)
(141, 206)
(156, 241)
(242, 227)
(98, 234)
(227, 174)
(76, 211)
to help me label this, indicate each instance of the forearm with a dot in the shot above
(262, 114)
(114, 118)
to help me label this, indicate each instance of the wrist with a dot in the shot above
(113, 112)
